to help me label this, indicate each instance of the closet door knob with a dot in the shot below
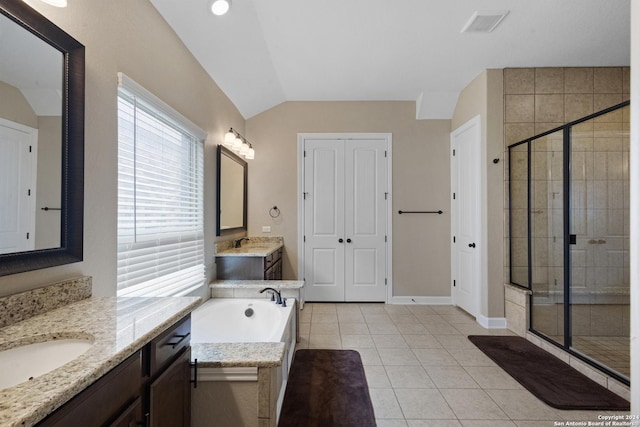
(340, 240)
(348, 240)
(472, 245)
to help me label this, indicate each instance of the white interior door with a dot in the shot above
(324, 220)
(345, 219)
(365, 220)
(465, 215)
(17, 187)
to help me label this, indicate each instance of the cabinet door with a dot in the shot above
(170, 395)
(131, 417)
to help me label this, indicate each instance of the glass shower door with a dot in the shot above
(599, 226)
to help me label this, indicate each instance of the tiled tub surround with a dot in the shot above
(242, 383)
(17, 307)
(119, 327)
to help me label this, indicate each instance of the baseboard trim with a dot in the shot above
(491, 322)
(421, 300)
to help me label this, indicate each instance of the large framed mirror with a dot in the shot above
(41, 142)
(231, 193)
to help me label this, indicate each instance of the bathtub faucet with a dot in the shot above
(274, 293)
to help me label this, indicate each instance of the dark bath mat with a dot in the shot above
(327, 388)
(550, 379)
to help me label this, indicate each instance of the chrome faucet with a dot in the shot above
(274, 293)
(238, 243)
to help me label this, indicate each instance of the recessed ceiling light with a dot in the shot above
(484, 21)
(220, 7)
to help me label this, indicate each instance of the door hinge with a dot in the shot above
(385, 153)
(385, 239)
(385, 195)
(29, 192)
(304, 195)
(304, 153)
(385, 281)
(454, 283)
(454, 239)
(454, 151)
(30, 148)
(454, 196)
(304, 238)
(27, 236)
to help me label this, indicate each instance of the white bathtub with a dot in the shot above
(225, 320)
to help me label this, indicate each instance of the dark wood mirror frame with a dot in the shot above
(223, 151)
(72, 197)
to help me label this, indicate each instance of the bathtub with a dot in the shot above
(226, 320)
(229, 394)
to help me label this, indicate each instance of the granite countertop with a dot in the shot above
(250, 284)
(251, 250)
(222, 355)
(119, 327)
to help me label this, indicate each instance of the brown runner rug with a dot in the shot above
(327, 388)
(547, 377)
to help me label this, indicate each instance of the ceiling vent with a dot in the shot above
(484, 21)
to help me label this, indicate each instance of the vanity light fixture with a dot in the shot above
(220, 7)
(239, 144)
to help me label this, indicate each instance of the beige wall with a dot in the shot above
(128, 36)
(49, 179)
(483, 96)
(15, 107)
(421, 255)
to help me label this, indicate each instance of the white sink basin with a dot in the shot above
(26, 362)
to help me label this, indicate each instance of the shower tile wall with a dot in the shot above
(536, 100)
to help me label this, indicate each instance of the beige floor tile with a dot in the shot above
(487, 423)
(421, 309)
(353, 328)
(471, 357)
(403, 318)
(319, 307)
(373, 308)
(389, 341)
(421, 341)
(408, 377)
(411, 328)
(324, 329)
(546, 423)
(472, 329)
(472, 404)
(423, 404)
(397, 356)
(305, 315)
(459, 318)
(383, 328)
(390, 423)
(492, 377)
(321, 317)
(377, 318)
(325, 341)
(434, 357)
(350, 317)
(522, 405)
(376, 376)
(445, 309)
(451, 377)
(357, 341)
(455, 341)
(441, 329)
(396, 309)
(370, 356)
(385, 404)
(434, 423)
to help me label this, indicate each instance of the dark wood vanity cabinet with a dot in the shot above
(151, 388)
(250, 267)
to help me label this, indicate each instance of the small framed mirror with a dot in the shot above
(231, 193)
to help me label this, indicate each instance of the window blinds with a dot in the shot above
(160, 197)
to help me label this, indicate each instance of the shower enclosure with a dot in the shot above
(569, 235)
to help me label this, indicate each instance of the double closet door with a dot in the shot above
(345, 219)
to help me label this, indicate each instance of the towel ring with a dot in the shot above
(274, 212)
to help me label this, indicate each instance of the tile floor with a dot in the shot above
(423, 371)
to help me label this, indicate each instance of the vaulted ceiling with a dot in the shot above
(265, 52)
